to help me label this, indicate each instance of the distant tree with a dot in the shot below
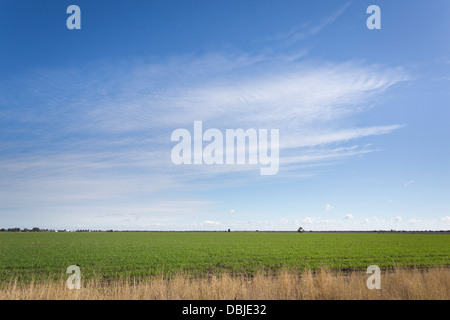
(35, 229)
(300, 229)
(229, 230)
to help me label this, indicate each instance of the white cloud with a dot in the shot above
(210, 222)
(308, 220)
(446, 220)
(328, 207)
(348, 216)
(410, 182)
(308, 30)
(224, 91)
(232, 211)
(338, 136)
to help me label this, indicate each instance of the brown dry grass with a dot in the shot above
(403, 284)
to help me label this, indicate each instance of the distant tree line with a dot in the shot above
(36, 229)
(24, 230)
(300, 230)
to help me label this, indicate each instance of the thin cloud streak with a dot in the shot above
(309, 29)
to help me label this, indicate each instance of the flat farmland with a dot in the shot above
(114, 255)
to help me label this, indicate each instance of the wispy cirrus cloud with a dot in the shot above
(98, 135)
(116, 120)
(408, 183)
(310, 28)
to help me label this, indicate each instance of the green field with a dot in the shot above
(41, 256)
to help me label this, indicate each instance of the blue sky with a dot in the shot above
(86, 115)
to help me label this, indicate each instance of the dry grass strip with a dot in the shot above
(401, 284)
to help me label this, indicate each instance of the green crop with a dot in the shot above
(26, 256)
